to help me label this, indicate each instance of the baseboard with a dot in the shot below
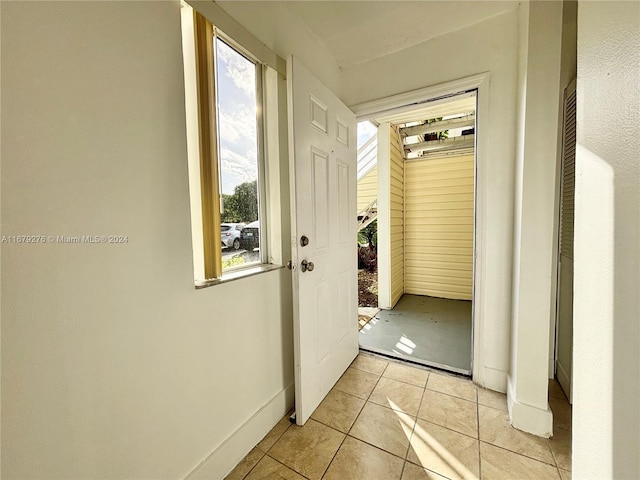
(224, 458)
(528, 418)
(494, 379)
(564, 379)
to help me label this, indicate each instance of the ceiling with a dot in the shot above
(358, 31)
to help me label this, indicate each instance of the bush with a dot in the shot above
(367, 247)
(232, 262)
(367, 258)
(369, 235)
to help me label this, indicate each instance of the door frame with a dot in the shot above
(412, 99)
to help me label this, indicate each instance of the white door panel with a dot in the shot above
(323, 166)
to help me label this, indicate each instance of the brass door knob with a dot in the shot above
(306, 266)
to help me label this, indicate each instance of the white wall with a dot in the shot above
(606, 418)
(535, 212)
(284, 33)
(487, 46)
(113, 365)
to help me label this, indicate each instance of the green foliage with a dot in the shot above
(368, 255)
(369, 235)
(233, 262)
(242, 205)
(437, 135)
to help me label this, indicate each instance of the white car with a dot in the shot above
(230, 234)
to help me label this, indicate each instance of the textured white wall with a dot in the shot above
(113, 365)
(489, 46)
(606, 362)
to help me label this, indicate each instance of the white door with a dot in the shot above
(564, 333)
(323, 180)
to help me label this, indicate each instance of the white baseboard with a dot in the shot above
(494, 379)
(224, 458)
(565, 381)
(528, 418)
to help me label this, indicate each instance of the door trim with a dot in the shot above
(412, 99)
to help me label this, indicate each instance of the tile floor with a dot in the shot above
(391, 421)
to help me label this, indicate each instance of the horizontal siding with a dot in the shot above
(438, 231)
(396, 180)
(368, 189)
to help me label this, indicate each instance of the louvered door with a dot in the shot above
(564, 345)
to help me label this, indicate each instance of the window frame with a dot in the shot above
(205, 37)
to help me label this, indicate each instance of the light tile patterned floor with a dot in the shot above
(391, 421)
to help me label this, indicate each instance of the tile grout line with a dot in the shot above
(555, 460)
(388, 378)
(286, 466)
(548, 443)
(415, 424)
(265, 453)
(356, 419)
(252, 468)
(404, 460)
(520, 454)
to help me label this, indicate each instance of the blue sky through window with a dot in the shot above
(236, 82)
(366, 130)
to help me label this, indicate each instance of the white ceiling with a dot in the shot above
(357, 31)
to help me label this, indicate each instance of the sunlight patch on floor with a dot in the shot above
(425, 446)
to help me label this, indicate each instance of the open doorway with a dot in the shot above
(367, 204)
(425, 232)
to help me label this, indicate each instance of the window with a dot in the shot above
(365, 130)
(224, 97)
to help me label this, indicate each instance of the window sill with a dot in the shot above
(237, 274)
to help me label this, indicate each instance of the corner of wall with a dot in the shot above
(384, 222)
(528, 418)
(224, 458)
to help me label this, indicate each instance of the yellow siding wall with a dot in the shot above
(368, 189)
(439, 200)
(396, 198)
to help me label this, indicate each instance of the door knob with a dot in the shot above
(304, 241)
(306, 266)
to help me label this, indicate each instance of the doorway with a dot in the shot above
(426, 216)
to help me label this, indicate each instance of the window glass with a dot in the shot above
(365, 130)
(238, 152)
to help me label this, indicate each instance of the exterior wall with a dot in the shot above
(113, 365)
(606, 359)
(396, 204)
(368, 189)
(439, 218)
(488, 46)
